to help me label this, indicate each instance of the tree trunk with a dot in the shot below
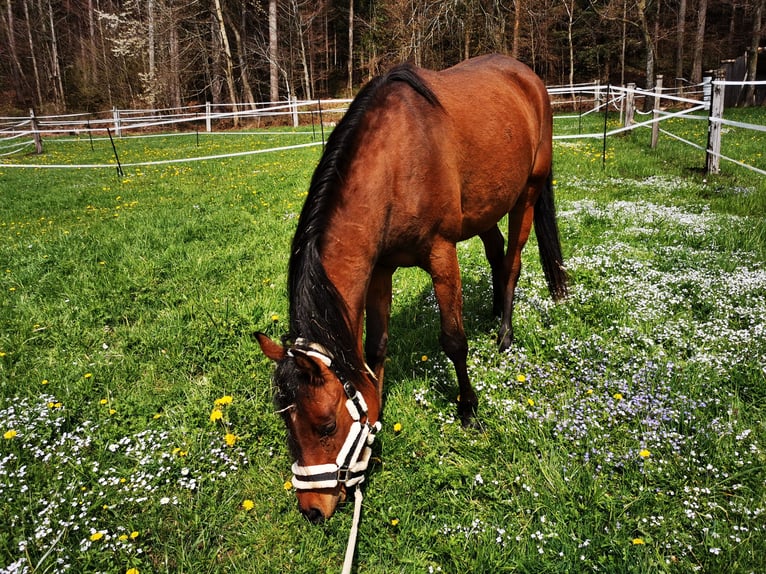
(33, 55)
(648, 41)
(247, 91)
(55, 65)
(228, 60)
(273, 49)
(680, 32)
(699, 42)
(350, 47)
(748, 94)
(517, 10)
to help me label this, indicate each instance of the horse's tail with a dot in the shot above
(547, 232)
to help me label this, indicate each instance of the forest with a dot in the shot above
(61, 56)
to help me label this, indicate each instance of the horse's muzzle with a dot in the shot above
(319, 505)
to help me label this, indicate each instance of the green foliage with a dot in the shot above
(623, 432)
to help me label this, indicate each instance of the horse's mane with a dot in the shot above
(317, 312)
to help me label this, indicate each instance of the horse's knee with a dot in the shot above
(455, 346)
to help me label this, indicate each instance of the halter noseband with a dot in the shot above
(354, 455)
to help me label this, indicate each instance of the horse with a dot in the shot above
(420, 161)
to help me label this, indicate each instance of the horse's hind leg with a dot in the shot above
(519, 226)
(494, 248)
(445, 274)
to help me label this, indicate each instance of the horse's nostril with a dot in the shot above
(313, 515)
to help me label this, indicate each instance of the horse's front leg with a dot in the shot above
(378, 312)
(445, 275)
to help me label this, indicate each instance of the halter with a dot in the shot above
(354, 456)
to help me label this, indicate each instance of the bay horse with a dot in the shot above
(420, 161)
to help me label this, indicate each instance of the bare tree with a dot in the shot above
(699, 42)
(680, 33)
(273, 52)
(748, 94)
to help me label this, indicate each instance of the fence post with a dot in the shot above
(208, 119)
(116, 116)
(294, 106)
(597, 95)
(656, 115)
(35, 132)
(712, 162)
(630, 104)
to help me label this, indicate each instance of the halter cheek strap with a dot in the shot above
(354, 456)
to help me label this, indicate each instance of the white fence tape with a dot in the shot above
(84, 125)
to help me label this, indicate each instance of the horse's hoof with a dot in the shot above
(467, 413)
(505, 341)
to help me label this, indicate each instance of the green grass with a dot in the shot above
(624, 432)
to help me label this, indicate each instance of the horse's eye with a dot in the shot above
(328, 429)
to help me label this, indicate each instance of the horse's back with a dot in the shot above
(500, 119)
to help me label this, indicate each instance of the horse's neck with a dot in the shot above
(349, 252)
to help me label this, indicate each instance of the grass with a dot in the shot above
(624, 432)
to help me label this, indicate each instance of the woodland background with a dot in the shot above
(90, 55)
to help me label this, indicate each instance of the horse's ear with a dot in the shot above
(272, 350)
(307, 364)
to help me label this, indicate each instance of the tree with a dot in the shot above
(748, 94)
(273, 49)
(699, 42)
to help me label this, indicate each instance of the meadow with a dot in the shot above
(624, 432)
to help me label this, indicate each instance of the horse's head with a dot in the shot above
(329, 425)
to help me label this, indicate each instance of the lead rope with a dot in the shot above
(351, 546)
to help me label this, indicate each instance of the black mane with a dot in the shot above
(317, 312)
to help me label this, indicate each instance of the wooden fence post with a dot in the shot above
(712, 161)
(35, 132)
(597, 95)
(630, 105)
(294, 109)
(656, 115)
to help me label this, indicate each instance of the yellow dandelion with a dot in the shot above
(521, 378)
(122, 537)
(157, 416)
(226, 400)
(9, 434)
(531, 402)
(275, 317)
(134, 535)
(96, 536)
(112, 411)
(216, 415)
(618, 396)
(644, 453)
(248, 505)
(45, 382)
(103, 401)
(131, 571)
(394, 522)
(589, 392)
(398, 427)
(87, 375)
(230, 439)
(638, 541)
(424, 358)
(287, 485)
